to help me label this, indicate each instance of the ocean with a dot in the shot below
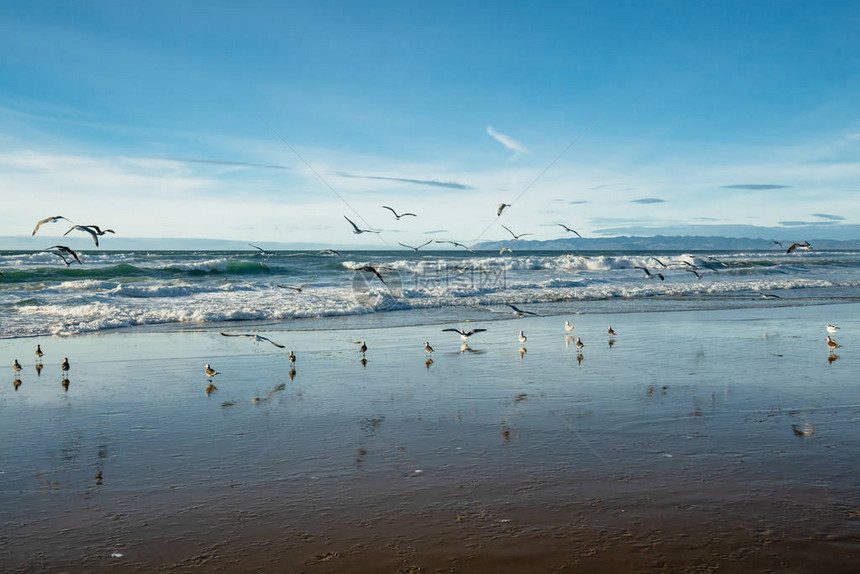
(167, 290)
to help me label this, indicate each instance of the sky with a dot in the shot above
(272, 121)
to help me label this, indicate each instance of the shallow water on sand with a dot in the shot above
(674, 447)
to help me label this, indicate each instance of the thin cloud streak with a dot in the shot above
(507, 141)
(222, 162)
(648, 200)
(756, 186)
(829, 216)
(429, 182)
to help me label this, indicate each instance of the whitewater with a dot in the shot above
(39, 295)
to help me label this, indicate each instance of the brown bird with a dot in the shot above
(65, 366)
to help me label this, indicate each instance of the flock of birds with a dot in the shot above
(64, 369)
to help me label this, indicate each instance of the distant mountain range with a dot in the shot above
(659, 243)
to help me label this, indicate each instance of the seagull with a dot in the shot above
(566, 228)
(516, 237)
(579, 343)
(292, 357)
(689, 265)
(522, 337)
(832, 328)
(415, 248)
(454, 243)
(648, 274)
(427, 347)
(210, 372)
(804, 246)
(663, 265)
(296, 288)
(611, 331)
(696, 273)
(16, 366)
(832, 344)
(255, 337)
(358, 231)
(465, 334)
(40, 354)
(329, 252)
(777, 242)
(263, 252)
(65, 366)
(568, 327)
(767, 295)
(519, 312)
(806, 430)
(501, 208)
(86, 229)
(503, 249)
(397, 217)
(64, 249)
(53, 219)
(363, 348)
(373, 270)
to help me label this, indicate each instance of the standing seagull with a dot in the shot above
(648, 274)
(568, 327)
(65, 366)
(832, 328)
(566, 228)
(397, 217)
(355, 228)
(427, 347)
(611, 331)
(501, 208)
(16, 366)
(39, 353)
(292, 358)
(516, 237)
(832, 344)
(522, 337)
(579, 343)
(363, 348)
(210, 372)
(53, 219)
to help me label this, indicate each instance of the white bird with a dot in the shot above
(256, 338)
(296, 288)
(415, 248)
(329, 252)
(522, 337)
(516, 237)
(568, 327)
(465, 334)
(427, 347)
(210, 372)
(454, 243)
(397, 217)
(263, 252)
(566, 228)
(86, 229)
(501, 208)
(832, 328)
(292, 357)
(803, 246)
(53, 219)
(503, 249)
(648, 274)
(356, 229)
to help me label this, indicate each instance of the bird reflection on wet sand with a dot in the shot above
(427, 363)
(292, 373)
(611, 343)
(16, 383)
(523, 352)
(832, 357)
(38, 369)
(65, 382)
(363, 363)
(209, 388)
(579, 358)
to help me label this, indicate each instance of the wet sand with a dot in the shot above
(672, 450)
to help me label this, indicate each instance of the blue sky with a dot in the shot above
(702, 117)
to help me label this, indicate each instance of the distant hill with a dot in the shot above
(658, 243)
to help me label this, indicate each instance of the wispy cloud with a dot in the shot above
(222, 162)
(578, 202)
(755, 186)
(803, 223)
(828, 216)
(647, 200)
(430, 182)
(507, 141)
(435, 231)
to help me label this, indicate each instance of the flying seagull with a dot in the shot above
(767, 295)
(263, 252)
(256, 338)
(296, 288)
(519, 312)
(501, 208)
(566, 228)
(804, 246)
(397, 217)
(516, 237)
(94, 230)
(373, 270)
(454, 243)
(777, 242)
(648, 274)
(663, 265)
(696, 273)
(415, 248)
(329, 252)
(53, 219)
(465, 334)
(64, 249)
(503, 249)
(358, 231)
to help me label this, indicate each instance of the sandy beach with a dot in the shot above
(674, 449)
